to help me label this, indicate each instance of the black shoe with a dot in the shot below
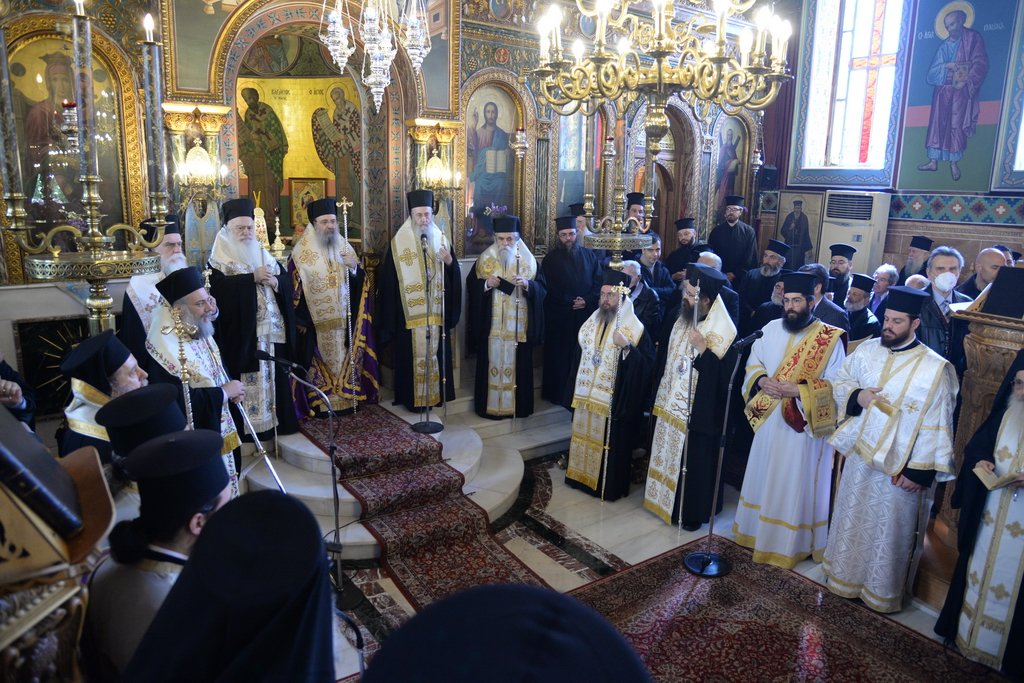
(692, 527)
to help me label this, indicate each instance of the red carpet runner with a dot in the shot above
(761, 623)
(434, 540)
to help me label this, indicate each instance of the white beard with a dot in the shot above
(853, 308)
(172, 263)
(507, 256)
(328, 241)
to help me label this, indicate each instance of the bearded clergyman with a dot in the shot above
(612, 386)
(254, 296)
(332, 314)
(505, 321)
(694, 368)
(185, 299)
(898, 397)
(141, 297)
(984, 610)
(419, 292)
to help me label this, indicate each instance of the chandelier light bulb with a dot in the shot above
(577, 50)
(148, 26)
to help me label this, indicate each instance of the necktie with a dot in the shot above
(945, 308)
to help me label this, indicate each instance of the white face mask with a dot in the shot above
(945, 281)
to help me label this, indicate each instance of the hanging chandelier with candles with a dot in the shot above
(378, 40)
(657, 56)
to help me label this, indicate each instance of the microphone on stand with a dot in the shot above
(263, 355)
(748, 340)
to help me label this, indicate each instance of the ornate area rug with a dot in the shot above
(434, 540)
(761, 623)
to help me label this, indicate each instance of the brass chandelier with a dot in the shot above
(655, 57)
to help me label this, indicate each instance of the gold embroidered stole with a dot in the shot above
(673, 400)
(143, 294)
(506, 311)
(204, 364)
(328, 297)
(806, 363)
(595, 381)
(86, 400)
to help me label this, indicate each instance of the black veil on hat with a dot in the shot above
(138, 416)
(180, 283)
(172, 227)
(253, 603)
(577, 210)
(233, 208)
(321, 207)
(96, 359)
(711, 279)
(418, 198)
(507, 634)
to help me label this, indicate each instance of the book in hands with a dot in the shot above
(992, 481)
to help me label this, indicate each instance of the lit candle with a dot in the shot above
(577, 50)
(746, 41)
(722, 10)
(458, 178)
(762, 19)
(80, 7)
(147, 25)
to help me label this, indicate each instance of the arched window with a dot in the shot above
(848, 92)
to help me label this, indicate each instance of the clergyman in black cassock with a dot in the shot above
(757, 285)
(505, 320)
(615, 358)
(254, 295)
(734, 241)
(402, 320)
(572, 274)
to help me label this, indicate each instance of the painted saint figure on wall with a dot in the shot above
(262, 146)
(796, 232)
(337, 141)
(956, 73)
(489, 159)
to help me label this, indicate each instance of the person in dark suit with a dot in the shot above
(654, 273)
(824, 310)
(939, 331)
(986, 267)
(885, 277)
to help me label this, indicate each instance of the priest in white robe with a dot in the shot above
(984, 613)
(694, 367)
(783, 509)
(897, 398)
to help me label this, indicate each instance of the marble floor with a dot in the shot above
(605, 536)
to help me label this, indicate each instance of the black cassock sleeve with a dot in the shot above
(633, 379)
(235, 329)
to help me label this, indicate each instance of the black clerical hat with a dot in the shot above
(511, 633)
(418, 198)
(233, 208)
(799, 283)
(180, 283)
(321, 207)
(565, 223)
(95, 359)
(711, 279)
(1016, 255)
(173, 226)
(577, 210)
(844, 250)
(506, 223)
(921, 242)
(862, 282)
(634, 198)
(177, 473)
(686, 224)
(780, 248)
(734, 200)
(138, 416)
(906, 300)
(798, 202)
(614, 277)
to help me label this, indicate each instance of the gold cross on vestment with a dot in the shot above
(407, 257)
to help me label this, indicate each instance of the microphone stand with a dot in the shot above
(704, 562)
(425, 426)
(347, 593)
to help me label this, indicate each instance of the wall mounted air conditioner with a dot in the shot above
(859, 219)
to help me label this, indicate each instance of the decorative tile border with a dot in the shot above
(957, 209)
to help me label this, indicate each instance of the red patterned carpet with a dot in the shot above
(761, 623)
(434, 540)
